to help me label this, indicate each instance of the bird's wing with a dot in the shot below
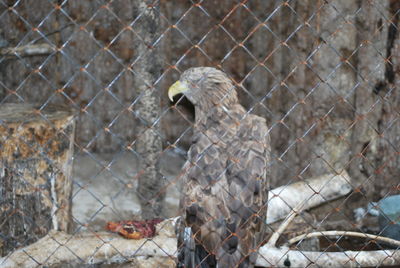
(226, 192)
(248, 174)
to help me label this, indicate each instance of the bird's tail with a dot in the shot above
(192, 255)
(236, 260)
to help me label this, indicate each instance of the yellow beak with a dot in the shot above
(175, 89)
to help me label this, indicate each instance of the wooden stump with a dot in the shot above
(36, 148)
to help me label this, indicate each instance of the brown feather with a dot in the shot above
(225, 191)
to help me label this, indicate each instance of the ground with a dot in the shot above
(101, 195)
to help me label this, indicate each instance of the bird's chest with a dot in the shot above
(209, 157)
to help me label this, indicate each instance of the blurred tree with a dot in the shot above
(148, 142)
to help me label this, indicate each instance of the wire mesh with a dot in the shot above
(322, 73)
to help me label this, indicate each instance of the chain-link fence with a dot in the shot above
(91, 144)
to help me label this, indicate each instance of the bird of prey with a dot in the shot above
(224, 196)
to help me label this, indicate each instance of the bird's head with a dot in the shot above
(204, 87)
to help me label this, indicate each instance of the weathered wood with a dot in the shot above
(88, 248)
(285, 257)
(372, 35)
(307, 194)
(35, 166)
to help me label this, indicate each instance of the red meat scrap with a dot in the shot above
(134, 229)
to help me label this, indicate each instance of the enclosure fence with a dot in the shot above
(92, 151)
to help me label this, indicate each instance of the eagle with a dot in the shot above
(225, 183)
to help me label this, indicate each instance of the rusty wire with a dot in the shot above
(61, 39)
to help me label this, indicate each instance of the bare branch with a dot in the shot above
(28, 50)
(345, 233)
(285, 257)
(311, 193)
(304, 195)
(275, 236)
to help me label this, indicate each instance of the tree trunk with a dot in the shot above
(372, 40)
(387, 154)
(148, 142)
(35, 168)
